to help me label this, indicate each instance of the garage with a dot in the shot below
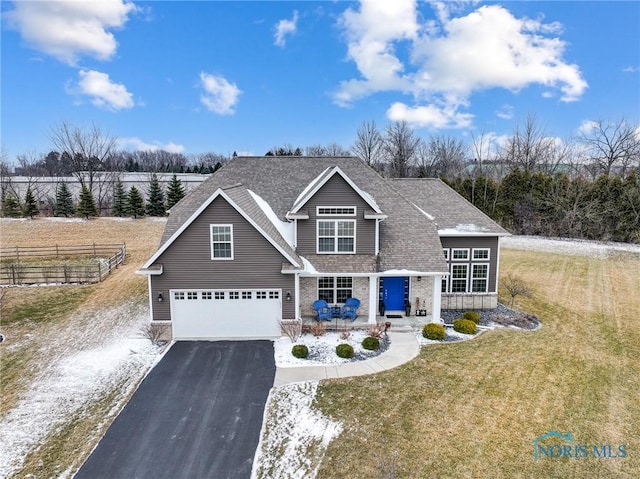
(226, 314)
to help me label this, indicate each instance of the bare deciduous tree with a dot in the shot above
(441, 156)
(515, 286)
(88, 149)
(400, 146)
(529, 148)
(612, 147)
(369, 144)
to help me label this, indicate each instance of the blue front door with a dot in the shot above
(393, 293)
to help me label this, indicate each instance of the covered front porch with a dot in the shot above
(397, 296)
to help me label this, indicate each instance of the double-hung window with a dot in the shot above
(479, 278)
(459, 278)
(335, 289)
(221, 241)
(336, 236)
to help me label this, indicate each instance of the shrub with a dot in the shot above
(370, 343)
(300, 351)
(472, 316)
(433, 331)
(344, 350)
(465, 326)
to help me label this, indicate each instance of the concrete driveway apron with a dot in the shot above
(197, 414)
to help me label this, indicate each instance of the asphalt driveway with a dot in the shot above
(197, 414)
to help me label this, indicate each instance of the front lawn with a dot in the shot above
(474, 408)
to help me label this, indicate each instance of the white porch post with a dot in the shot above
(437, 299)
(373, 299)
(296, 296)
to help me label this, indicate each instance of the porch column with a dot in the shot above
(373, 299)
(296, 296)
(437, 299)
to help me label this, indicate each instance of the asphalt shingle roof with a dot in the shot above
(451, 212)
(408, 239)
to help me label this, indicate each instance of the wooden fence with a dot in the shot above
(19, 264)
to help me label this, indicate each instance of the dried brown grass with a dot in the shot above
(473, 409)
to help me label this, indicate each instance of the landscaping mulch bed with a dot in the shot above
(502, 316)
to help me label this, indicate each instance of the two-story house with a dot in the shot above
(264, 237)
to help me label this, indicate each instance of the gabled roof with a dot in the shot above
(244, 203)
(314, 186)
(452, 213)
(408, 239)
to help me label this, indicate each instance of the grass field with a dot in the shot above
(470, 409)
(473, 409)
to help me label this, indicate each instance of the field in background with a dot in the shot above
(473, 409)
(49, 327)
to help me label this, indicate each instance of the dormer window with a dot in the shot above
(336, 236)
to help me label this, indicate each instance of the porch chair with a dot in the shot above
(323, 311)
(350, 309)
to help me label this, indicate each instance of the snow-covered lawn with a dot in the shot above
(322, 350)
(567, 246)
(295, 436)
(72, 381)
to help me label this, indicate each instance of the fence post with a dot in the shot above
(99, 272)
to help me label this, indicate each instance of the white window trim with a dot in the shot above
(335, 237)
(453, 254)
(452, 278)
(211, 226)
(473, 254)
(486, 278)
(334, 288)
(326, 215)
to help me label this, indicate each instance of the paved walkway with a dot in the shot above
(403, 348)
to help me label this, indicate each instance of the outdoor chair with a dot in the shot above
(323, 311)
(350, 309)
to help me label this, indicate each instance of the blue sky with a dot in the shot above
(214, 76)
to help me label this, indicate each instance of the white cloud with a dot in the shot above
(631, 69)
(451, 57)
(67, 30)
(505, 112)
(430, 115)
(284, 28)
(136, 144)
(219, 95)
(370, 46)
(102, 91)
(587, 126)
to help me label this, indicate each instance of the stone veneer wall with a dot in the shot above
(469, 301)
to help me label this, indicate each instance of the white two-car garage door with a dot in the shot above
(216, 313)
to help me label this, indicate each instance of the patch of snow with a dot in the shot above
(308, 267)
(432, 218)
(295, 436)
(61, 219)
(68, 385)
(567, 246)
(462, 229)
(308, 188)
(285, 228)
(322, 350)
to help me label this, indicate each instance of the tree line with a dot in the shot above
(528, 181)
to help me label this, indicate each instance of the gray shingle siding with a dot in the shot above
(187, 263)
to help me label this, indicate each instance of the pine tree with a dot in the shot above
(175, 191)
(86, 205)
(119, 200)
(10, 206)
(64, 201)
(30, 205)
(135, 203)
(155, 198)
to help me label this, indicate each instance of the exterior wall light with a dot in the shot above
(288, 295)
(160, 297)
